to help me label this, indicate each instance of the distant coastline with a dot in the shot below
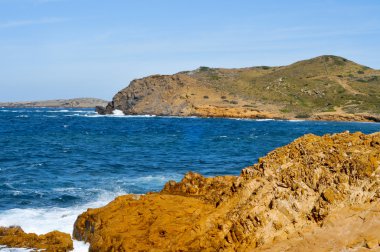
(58, 103)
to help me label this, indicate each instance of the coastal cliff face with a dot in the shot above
(322, 88)
(314, 188)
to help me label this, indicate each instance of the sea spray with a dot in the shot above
(44, 220)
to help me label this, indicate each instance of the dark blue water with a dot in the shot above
(62, 158)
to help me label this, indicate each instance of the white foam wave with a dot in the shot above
(296, 120)
(68, 189)
(10, 186)
(149, 180)
(16, 193)
(58, 111)
(119, 116)
(5, 249)
(264, 120)
(13, 111)
(43, 220)
(156, 179)
(47, 111)
(73, 115)
(23, 116)
(83, 111)
(118, 112)
(69, 111)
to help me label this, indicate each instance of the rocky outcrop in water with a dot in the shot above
(53, 241)
(295, 192)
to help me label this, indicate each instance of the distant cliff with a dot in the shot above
(321, 88)
(61, 103)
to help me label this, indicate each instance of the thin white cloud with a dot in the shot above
(29, 22)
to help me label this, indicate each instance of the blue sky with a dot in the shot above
(92, 48)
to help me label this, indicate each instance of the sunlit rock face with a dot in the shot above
(299, 188)
(52, 241)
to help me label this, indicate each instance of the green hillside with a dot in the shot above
(321, 84)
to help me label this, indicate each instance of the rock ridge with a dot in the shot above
(296, 188)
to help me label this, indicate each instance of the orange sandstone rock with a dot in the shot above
(52, 241)
(342, 116)
(235, 112)
(152, 221)
(293, 189)
(352, 228)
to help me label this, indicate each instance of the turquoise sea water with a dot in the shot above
(54, 163)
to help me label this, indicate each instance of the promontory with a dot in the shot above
(322, 88)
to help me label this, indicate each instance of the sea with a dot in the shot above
(55, 163)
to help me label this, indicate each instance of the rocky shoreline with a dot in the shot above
(237, 113)
(294, 199)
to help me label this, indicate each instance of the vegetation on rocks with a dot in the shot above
(325, 84)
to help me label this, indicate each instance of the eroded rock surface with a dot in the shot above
(352, 228)
(293, 189)
(53, 241)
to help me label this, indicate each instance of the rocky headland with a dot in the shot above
(60, 103)
(315, 194)
(322, 88)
